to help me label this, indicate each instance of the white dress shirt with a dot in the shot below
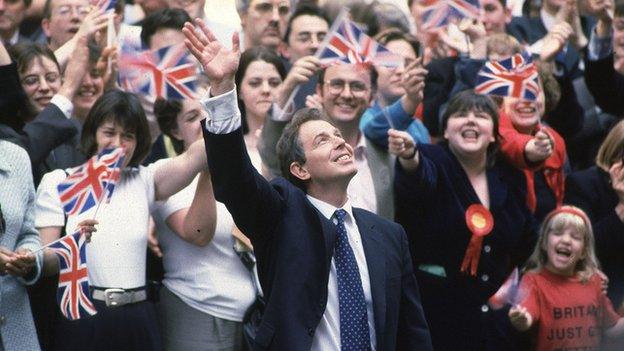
(327, 335)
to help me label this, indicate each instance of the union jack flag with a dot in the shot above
(349, 44)
(73, 294)
(84, 188)
(514, 77)
(439, 13)
(169, 72)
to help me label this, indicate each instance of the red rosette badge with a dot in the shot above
(480, 223)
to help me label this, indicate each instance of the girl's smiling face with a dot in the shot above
(564, 248)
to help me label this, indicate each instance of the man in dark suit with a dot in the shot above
(334, 277)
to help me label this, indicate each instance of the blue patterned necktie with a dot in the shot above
(354, 334)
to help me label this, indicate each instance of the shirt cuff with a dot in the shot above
(223, 114)
(64, 104)
(599, 48)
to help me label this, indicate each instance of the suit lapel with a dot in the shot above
(376, 263)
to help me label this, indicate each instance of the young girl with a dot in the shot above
(564, 297)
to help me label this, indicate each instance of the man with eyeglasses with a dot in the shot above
(263, 22)
(62, 19)
(344, 93)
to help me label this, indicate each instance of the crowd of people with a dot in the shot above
(291, 204)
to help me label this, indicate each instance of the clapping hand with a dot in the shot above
(17, 264)
(219, 63)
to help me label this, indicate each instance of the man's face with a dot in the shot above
(306, 35)
(346, 92)
(264, 23)
(194, 8)
(494, 16)
(65, 19)
(328, 157)
(11, 16)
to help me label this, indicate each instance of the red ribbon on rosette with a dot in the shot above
(480, 222)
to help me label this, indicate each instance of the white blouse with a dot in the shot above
(117, 251)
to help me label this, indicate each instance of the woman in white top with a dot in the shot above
(116, 253)
(207, 289)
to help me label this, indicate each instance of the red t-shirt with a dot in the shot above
(568, 315)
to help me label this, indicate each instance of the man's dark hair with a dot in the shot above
(305, 9)
(289, 147)
(125, 110)
(161, 19)
(619, 8)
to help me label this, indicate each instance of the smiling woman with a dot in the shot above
(437, 187)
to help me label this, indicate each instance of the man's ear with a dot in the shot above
(508, 15)
(45, 26)
(299, 171)
(319, 89)
(243, 19)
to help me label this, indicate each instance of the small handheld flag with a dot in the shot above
(510, 293)
(87, 186)
(349, 44)
(169, 72)
(513, 77)
(73, 294)
(439, 13)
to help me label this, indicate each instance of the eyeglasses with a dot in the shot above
(66, 10)
(266, 8)
(357, 88)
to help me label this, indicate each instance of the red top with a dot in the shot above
(567, 314)
(512, 144)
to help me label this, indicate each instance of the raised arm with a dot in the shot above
(251, 200)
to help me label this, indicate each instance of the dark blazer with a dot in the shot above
(591, 191)
(606, 85)
(294, 244)
(439, 82)
(431, 205)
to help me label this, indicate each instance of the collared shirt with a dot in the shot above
(361, 189)
(15, 38)
(327, 335)
(548, 19)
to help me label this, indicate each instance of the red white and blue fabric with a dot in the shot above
(513, 77)
(350, 45)
(73, 294)
(439, 13)
(84, 188)
(169, 72)
(108, 6)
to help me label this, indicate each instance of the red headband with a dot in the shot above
(570, 210)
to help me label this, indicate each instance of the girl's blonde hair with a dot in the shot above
(559, 219)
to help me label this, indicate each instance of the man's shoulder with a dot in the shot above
(371, 219)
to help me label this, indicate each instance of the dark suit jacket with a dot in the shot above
(606, 85)
(591, 191)
(294, 244)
